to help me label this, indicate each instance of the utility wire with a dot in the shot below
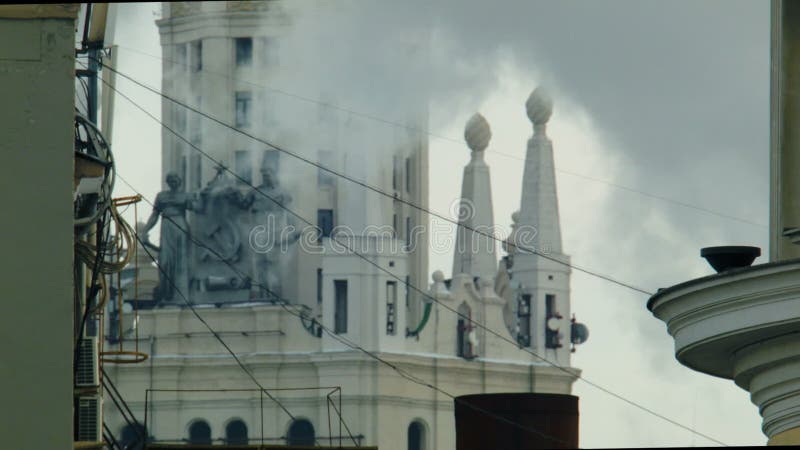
(291, 309)
(370, 187)
(425, 132)
(424, 294)
(171, 282)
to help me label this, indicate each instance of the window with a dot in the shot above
(416, 436)
(391, 307)
(408, 292)
(551, 338)
(325, 222)
(464, 329)
(408, 233)
(197, 171)
(236, 433)
(301, 432)
(396, 173)
(244, 100)
(524, 320)
(133, 437)
(319, 286)
(180, 57)
(242, 165)
(183, 170)
(340, 311)
(244, 51)
(197, 55)
(180, 119)
(408, 175)
(325, 159)
(271, 160)
(269, 51)
(195, 125)
(200, 432)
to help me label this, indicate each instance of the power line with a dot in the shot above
(452, 140)
(424, 294)
(169, 279)
(286, 305)
(369, 187)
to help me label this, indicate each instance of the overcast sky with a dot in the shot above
(666, 98)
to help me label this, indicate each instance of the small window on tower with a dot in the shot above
(269, 51)
(325, 222)
(465, 336)
(181, 57)
(340, 311)
(244, 100)
(319, 286)
(524, 320)
(325, 159)
(243, 166)
(408, 233)
(195, 123)
(244, 51)
(551, 337)
(271, 159)
(391, 307)
(408, 175)
(196, 55)
(180, 119)
(396, 173)
(197, 171)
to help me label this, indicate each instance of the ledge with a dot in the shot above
(744, 325)
(713, 317)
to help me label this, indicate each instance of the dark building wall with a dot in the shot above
(516, 421)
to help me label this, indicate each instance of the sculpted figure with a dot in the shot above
(173, 256)
(272, 232)
(219, 205)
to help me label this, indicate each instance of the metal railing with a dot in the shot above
(333, 401)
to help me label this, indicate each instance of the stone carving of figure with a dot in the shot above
(173, 256)
(219, 204)
(273, 231)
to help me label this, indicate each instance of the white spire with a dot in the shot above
(543, 283)
(475, 253)
(539, 206)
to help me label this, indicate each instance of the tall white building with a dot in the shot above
(223, 57)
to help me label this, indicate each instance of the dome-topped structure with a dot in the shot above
(539, 106)
(477, 133)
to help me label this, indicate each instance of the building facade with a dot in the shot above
(328, 316)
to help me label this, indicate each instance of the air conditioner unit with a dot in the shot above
(90, 419)
(86, 373)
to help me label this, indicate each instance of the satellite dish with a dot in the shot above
(579, 334)
(553, 323)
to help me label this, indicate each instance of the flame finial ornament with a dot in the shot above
(539, 108)
(477, 133)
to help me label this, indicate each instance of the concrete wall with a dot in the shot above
(36, 143)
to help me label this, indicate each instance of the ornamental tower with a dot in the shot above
(542, 283)
(475, 252)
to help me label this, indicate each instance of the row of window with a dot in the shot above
(190, 55)
(341, 304)
(552, 339)
(300, 432)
